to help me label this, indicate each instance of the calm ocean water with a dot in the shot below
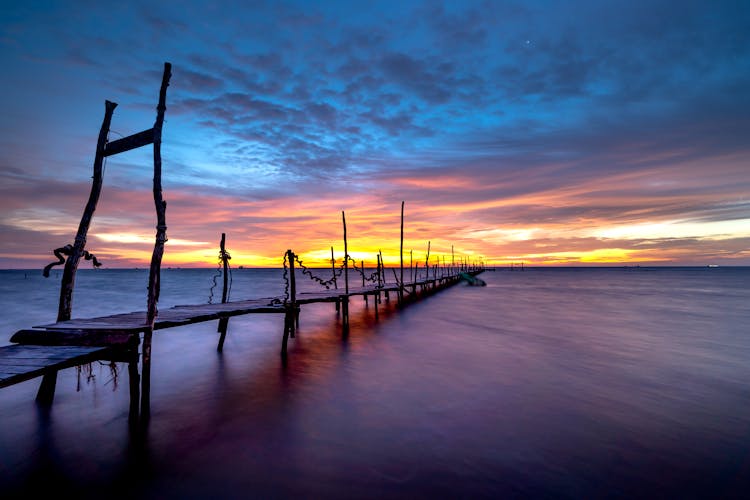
(547, 383)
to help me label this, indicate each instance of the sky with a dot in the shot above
(543, 132)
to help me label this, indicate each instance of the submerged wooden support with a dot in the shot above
(46, 393)
(288, 322)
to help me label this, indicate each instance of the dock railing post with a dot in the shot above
(333, 270)
(335, 281)
(401, 252)
(294, 323)
(345, 301)
(427, 266)
(223, 322)
(453, 262)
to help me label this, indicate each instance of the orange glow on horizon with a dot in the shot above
(482, 228)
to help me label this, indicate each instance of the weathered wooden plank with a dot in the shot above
(24, 351)
(14, 359)
(92, 337)
(23, 364)
(130, 142)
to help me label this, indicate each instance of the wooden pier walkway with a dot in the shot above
(45, 349)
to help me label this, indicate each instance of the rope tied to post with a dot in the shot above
(68, 250)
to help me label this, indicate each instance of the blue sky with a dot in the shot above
(548, 132)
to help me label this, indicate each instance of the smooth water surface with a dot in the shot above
(546, 383)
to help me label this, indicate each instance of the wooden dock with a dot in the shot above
(43, 350)
(46, 349)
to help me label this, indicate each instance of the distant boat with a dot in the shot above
(713, 265)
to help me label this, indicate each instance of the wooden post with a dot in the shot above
(413, 275)
(293, 294)
(333, 270)
(382, 271)
(377, 257)
(427, 261)
(382, 266)
(46, 393)
(135, 391)
(345, 305)
(335, 281)
(223, 322)
(346, 256)
(401, 251)
(154, 276)
(71, 264)
(288, 322)
(377, 274)
(159, 203)
(364, 295)
(225, 264)
(427, 266)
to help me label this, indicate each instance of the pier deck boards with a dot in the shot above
(19, 363)
(119, 328)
